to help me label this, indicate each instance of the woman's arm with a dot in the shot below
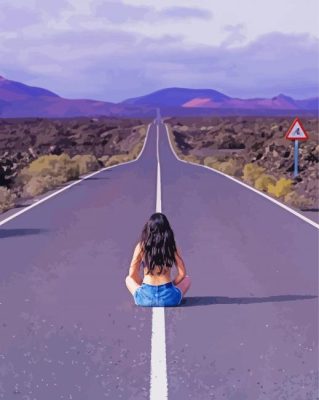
(181, 270)
(135, 264)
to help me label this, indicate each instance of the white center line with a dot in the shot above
(158, 390)
(158, 183)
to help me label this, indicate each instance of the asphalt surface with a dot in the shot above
(249, 328)
(69, 329)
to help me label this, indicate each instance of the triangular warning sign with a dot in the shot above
(297, 131)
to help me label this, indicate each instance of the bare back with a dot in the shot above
(165, 276)
(156, 279)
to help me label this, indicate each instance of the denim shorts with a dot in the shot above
(158, 296)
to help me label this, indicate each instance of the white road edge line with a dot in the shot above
(305, 219)
(158, 389)
(72, 184)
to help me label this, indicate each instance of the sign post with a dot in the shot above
(296, 132)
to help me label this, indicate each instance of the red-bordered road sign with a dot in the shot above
(297, 131)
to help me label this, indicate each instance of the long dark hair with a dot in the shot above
(158, 243)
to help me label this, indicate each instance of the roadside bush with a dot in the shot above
(7, 199)
(136, 150)
(230, 167)
(296, 200)
(142, 131)
(191, 158)
(251, 172)
(104, 159)
(86, 163)
(212, 161)
(263, 181)
(117, 159)
(61, 167)
(39, 184)
(280, 188)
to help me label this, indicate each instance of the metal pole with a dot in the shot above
(296, 158)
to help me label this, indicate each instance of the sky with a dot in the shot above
(113, 50)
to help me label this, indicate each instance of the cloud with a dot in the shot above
(185, 12)
(108, 63)
(118, 12)
(13, 17)
(235, 34)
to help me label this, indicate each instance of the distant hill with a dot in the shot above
(176, 97)
(20, 100)
(214, 100)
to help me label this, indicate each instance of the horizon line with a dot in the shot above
(257, 97)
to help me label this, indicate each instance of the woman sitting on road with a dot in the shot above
(157, 251)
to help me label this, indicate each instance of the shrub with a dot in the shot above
(7, 199)
(39, 184)
(136, 150)
(230, 167)
(251, 172)
(117, 159)
(86, 163)
(280, 188)
(60, 167)
(191, 158)
(104, 159)
(262, 182)
(142, 131)
(297, 200)
(212, 161)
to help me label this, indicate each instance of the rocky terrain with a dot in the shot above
(230, 143)
(107, 140)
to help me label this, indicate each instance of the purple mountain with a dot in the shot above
(176, 97)
(211, 99)
(19, 100)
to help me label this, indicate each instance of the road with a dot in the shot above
(69, 329)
